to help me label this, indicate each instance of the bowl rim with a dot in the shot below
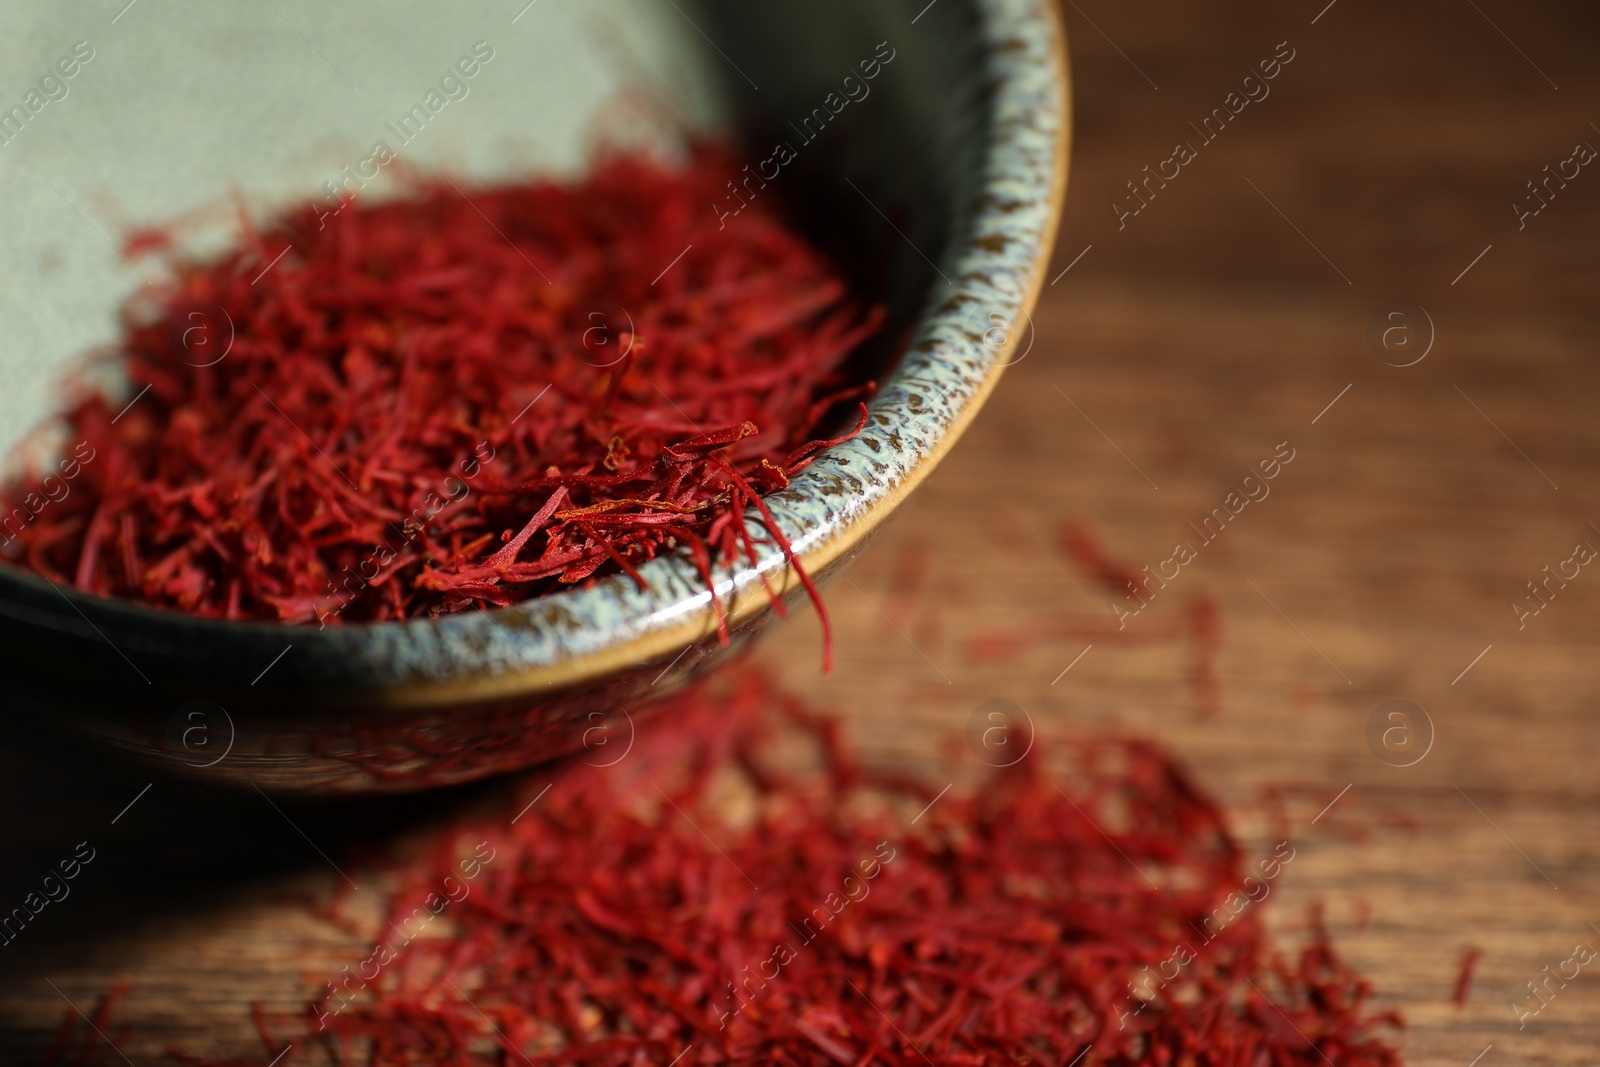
(431, 662)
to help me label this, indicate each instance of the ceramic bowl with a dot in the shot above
(929, 153)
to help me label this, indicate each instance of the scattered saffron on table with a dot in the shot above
(457, 398)
(1469, 967)
(1200, 625)
(739, 890)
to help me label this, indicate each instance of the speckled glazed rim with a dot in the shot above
(581, 636)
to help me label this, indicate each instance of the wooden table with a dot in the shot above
(1231, 314)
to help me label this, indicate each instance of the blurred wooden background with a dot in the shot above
(1174, 354)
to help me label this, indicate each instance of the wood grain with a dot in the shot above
(1178, 351)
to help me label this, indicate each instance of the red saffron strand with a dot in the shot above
(1081, 546)
(454, 400)
(1469, 968)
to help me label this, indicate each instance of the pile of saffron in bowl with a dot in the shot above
(459, 397)
(738, 889)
